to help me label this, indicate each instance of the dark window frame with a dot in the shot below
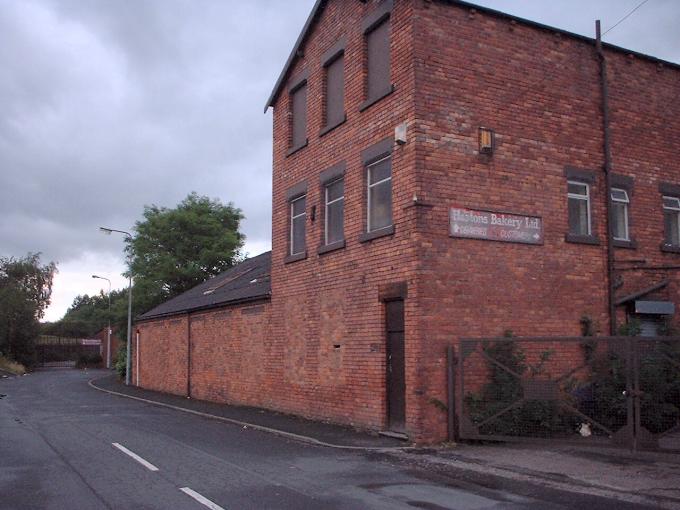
(293, 194)
(330, 58)
(298, 83)
(380, 17)
(667, 245)
(326, 178)
(370, 156)
(625, 183)
(586, 177)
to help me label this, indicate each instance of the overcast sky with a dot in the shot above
(106, 106)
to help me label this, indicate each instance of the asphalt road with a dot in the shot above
(64, 445)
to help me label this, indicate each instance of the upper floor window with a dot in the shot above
(298, 217)
(619, 205)
(379, 180)
(579, 208)
(335, 210)
(376, 27)
(671, 214)
(334, 97)
(298, 110)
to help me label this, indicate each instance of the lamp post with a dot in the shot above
(108, 329)
(108, 231)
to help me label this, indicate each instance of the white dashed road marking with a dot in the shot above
(201, 499)
(144, 463)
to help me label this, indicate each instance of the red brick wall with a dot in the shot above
(228, 355)
(540, 92)
(333, 299)
(115, 344)
(162, 355)
(321, 341)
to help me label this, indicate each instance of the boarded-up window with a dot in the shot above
(299, 112)
(335, 95)
(378, 61)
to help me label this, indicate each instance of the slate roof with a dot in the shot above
(247, 281)
(319, 5)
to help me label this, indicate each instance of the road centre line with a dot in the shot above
(143, 462)
(201, 499)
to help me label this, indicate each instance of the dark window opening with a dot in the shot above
(299, 116)
(335, 94)
(378, 61)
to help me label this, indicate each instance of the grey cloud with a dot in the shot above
(110, 105)
(113, 105)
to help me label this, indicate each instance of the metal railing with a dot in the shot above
(620, 391)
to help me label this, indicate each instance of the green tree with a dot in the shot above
(25, 291)
(87, 315)
(174, 250)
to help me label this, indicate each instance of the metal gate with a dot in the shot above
(619, 391)
(64, 352)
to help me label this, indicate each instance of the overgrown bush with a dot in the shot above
(10, 366)
(121, 361)
(598, 393)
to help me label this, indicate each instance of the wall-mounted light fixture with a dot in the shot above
(486, 140)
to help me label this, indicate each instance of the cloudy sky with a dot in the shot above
(107, 105)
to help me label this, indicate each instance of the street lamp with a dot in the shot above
(108, 231)
(108, 330)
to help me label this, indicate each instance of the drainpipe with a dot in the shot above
(608, 178)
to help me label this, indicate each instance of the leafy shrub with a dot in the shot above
(121, 361)
(10, 366)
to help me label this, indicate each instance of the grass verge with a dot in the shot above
(11, 366)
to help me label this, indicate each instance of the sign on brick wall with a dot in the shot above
(495, 226)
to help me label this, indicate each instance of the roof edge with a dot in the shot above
(291, 58)
(487, 10)
(536, 24)
(262, 297)
(647, 290)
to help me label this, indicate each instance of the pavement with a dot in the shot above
(645, 478)
(63, 444)
(324, 434)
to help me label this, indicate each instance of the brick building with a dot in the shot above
(108, 351)
(441, 170)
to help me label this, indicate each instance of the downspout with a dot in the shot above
(188, 355)
(608, 178)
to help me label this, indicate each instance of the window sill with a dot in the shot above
(371, 101)
(631, 244)
(293, 150)
(331, 127)
(337, 245)
(581, 239)
(294, 258)
(375, 234)
(670, 248)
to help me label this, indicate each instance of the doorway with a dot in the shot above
(396, 383)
